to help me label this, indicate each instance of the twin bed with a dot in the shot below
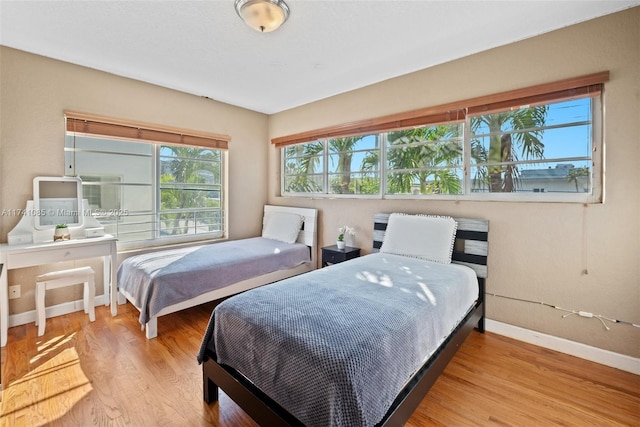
(357, 343)
(163, 282)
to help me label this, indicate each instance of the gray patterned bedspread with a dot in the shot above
(335, 346)
(156, 280)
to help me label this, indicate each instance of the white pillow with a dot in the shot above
(282, 226)
(420, 236)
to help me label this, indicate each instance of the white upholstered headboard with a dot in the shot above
(308, 233)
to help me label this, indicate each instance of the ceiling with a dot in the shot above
(325, 48)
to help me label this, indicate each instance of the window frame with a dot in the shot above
(589, 86)
(157, 137)
(326, 174)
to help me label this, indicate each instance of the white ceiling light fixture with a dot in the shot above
(263, 15)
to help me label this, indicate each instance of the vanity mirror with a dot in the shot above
(57, 200)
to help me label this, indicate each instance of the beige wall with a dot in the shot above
(36, 90)
(538, 251)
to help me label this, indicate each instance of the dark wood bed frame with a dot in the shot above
(470, 249)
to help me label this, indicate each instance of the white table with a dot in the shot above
(33, 254)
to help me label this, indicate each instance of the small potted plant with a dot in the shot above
(61, 233)
(342, 232)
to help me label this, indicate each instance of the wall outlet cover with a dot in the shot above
(14, 291)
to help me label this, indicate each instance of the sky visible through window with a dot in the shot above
(573, 141)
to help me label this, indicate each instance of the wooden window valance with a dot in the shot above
(88, 124)
(562, 90)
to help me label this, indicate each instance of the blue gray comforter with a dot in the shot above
(156, 280)
(335, 346)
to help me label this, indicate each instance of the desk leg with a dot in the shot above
(4, 304)
(113, 293)
(106, 279)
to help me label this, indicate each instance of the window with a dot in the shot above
(147, 192)
(540, 149)
(304, 168)
(535, 144)
(346, 165)
(425, 160)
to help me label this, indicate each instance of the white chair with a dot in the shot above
(58, 279)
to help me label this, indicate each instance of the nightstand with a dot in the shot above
(333, 255)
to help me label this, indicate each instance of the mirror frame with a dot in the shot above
(40, 211)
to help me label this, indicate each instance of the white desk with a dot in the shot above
(33, 254)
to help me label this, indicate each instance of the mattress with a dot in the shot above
(335, 346)
(155, 280)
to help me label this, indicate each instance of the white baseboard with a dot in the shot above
(54, 310)
(583, 351)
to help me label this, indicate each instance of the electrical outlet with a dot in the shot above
(14, 291)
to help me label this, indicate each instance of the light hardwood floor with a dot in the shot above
(106, 373)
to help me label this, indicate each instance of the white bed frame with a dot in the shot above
(307, 236)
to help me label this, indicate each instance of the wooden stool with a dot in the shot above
(58, 279)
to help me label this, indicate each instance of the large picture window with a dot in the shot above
(545, 146)
(147, 192)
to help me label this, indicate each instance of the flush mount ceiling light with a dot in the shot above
(263, 15)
